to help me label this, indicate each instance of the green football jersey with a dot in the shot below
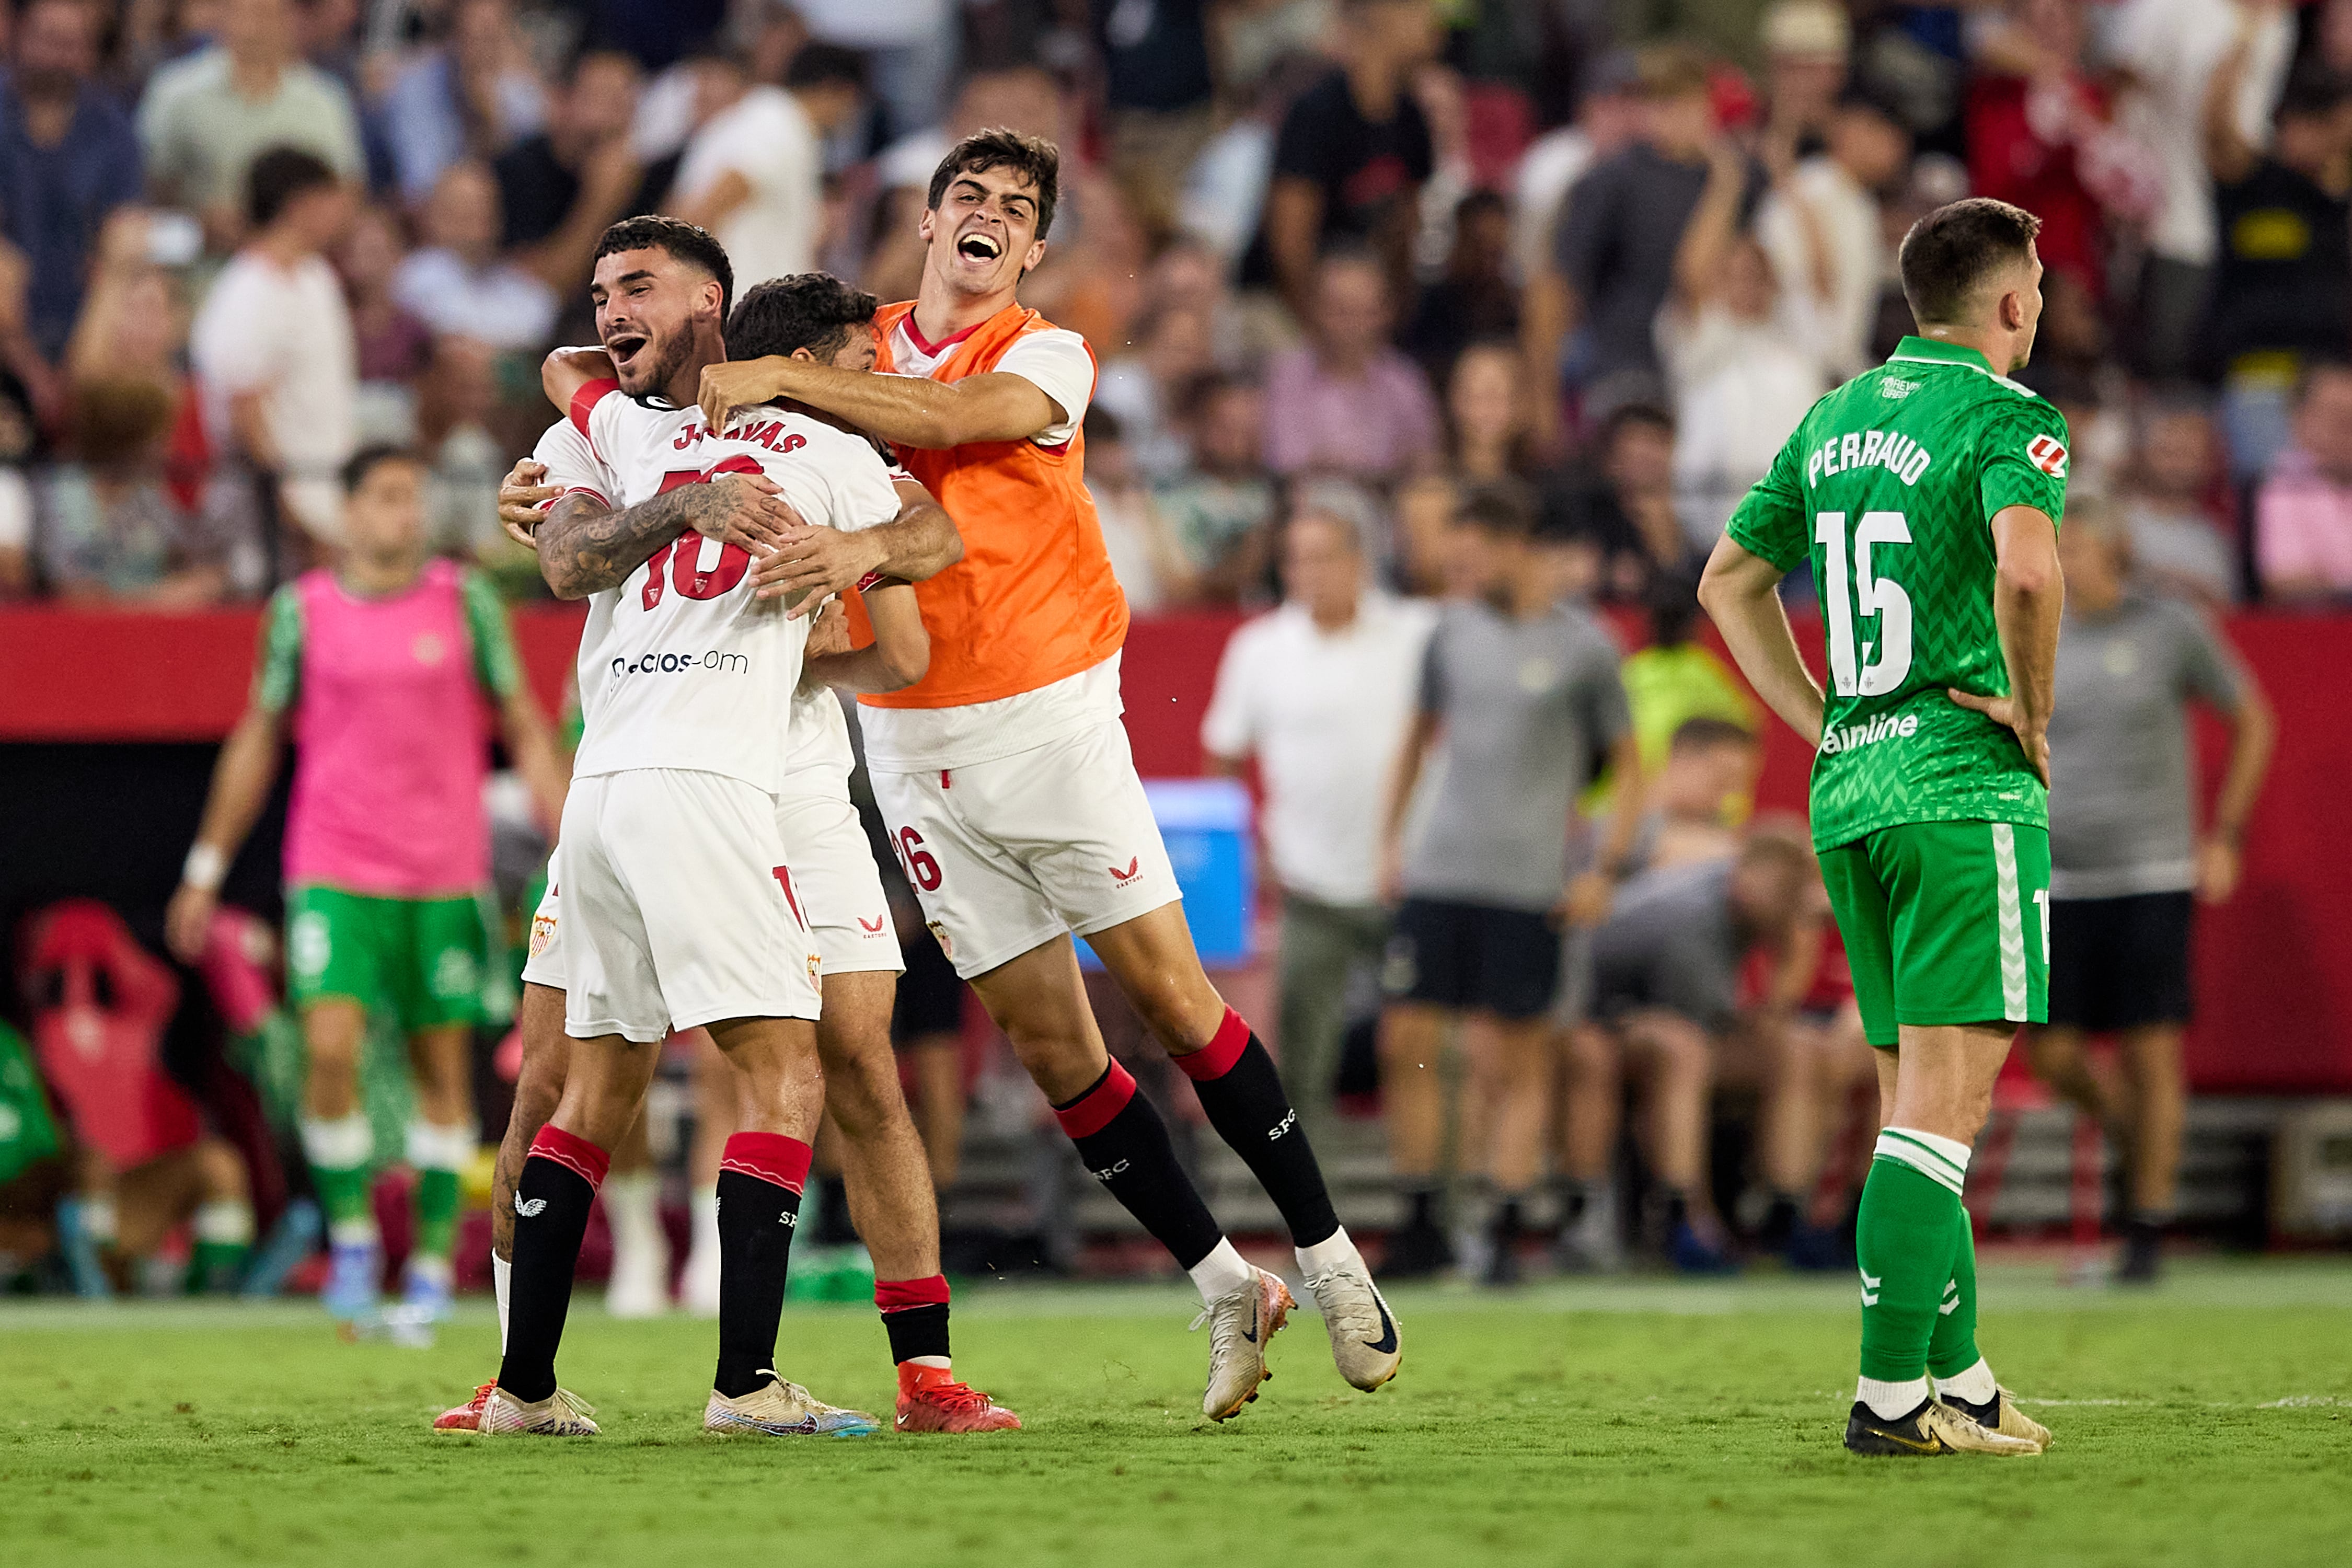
(1890, 486)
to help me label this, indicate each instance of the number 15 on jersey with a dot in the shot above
(1858, 588)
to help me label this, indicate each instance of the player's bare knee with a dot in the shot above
(220, 1171)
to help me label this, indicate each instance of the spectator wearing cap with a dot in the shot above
(2283, 286)
(2172, 48)
(753, 171)
(67, 158)
(1320, 693)
(1347, 403)
(207, 118)
(273, 348)
(1614, 254)
(1822, 227)
(2128, 863)
(1351, 155)
(473, 95)
(1808, 47)
(1608, 118)
(2303, 512)
(457, 283)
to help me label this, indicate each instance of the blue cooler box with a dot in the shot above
(1206, 824)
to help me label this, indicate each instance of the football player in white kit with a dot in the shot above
(832, 867)
(682, 908)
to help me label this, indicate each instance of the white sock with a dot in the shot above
(939, 1363)
(343, 1144)
(1221, 1273)
(1328, 1254)
(501, 1274)
(629, 1208)
(1976, 1385)
(1944, 1161)
(436, 1270)
(1891, 1401)
(704, 1203)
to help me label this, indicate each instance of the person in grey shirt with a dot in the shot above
(2127, 861)
(1520, 706)
(1665, 983)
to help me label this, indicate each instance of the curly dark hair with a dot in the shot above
(682, 241)
(812, 310)
(1033, 158)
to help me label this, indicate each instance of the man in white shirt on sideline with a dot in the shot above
(273, 348)
(1321, 691)
(753, 171)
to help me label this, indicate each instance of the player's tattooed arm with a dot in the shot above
(585, 547)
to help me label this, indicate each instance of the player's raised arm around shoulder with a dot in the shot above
(246, 767)
(564, 373)
(917, 544)
(899, 655)
(1740, 591)
(905, 410)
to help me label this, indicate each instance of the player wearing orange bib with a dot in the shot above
(1004, 776)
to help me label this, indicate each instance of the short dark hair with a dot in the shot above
(2312, 91)
(369, 458)
(1033, 158)
(1948, 253)
(682, 241)
(1625, 415)
(826, 65)
(1698, 733)
(812, 310)
(1505, 509)
(278, 176)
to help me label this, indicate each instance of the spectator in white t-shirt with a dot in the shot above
(1744, 355)
(273, 350)
(753, 171)
(458, 284)
(1321, 692)
(1822, 227)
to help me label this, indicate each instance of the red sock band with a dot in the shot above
(1092, 1111)
(897, 1295)
(1216, 1058)
(768, 1157)
(574, 1152)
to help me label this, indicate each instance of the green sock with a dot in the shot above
(1903, 1240)
(437, 1155)
(224, 1239)
(339, 1152)
(1952, 1348)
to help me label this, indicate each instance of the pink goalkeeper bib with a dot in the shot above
(391, 726)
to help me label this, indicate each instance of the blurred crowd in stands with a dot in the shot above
(1364, 252)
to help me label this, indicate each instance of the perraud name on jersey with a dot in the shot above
(1896, 453)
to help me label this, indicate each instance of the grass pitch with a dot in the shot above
(2209, 1422)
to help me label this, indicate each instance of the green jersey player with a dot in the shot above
(1926, 495)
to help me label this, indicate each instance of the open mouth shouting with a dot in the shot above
(625, 346)
(980, 246)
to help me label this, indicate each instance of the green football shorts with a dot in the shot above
(420, 959)
(1944, 922)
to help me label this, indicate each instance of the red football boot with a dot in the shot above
(466, 1418)
(931, 1399)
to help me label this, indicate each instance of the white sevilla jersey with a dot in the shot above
(818, 755)
(680, 667)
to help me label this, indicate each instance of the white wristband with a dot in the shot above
(204, 869)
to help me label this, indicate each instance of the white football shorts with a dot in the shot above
(841, 887)
(680, 907)
(1008, 855)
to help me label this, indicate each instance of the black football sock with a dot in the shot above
(915, 1315)
(1424, 1208)
(1234, 1076)
(759, 1179)
(551, 1199)
(1125, 1146)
